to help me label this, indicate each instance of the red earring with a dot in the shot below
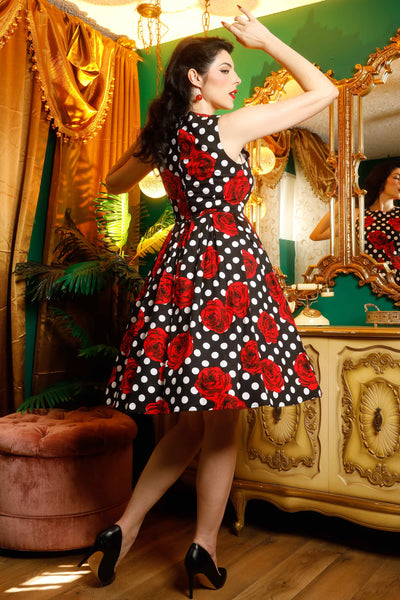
(199, 97)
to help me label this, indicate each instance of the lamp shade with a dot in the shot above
(152, 185)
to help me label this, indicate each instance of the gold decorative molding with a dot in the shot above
(371, 418)
(283, 449)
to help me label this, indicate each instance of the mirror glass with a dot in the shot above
(291, 210)
(381, 127)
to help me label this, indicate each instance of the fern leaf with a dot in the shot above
(98, 350)
(153, 244)
(73, 245)
(113, 217)
(71, 326)
(54, 395)
(83, 278)
(42, 281)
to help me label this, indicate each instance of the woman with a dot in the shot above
(381, 216)
(211, 331)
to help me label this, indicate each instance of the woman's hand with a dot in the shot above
(248, 31)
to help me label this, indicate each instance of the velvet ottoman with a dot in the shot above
(64, 475)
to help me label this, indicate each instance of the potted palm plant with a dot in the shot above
(105, 270)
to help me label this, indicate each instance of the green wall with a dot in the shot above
(337, 35)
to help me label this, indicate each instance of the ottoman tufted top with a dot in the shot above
(57, 433)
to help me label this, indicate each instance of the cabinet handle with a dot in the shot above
(378, 419)
(277, 413)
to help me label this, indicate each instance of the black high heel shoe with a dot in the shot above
(103, 556)
(198, 561)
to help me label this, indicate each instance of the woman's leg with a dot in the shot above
(215, 474)
(169, 459)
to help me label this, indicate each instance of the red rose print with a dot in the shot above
(237, 298)
(369, 220)
(155, 344)
(161, 254)
(183, 292)
(230, 402)
(160, 407)
(129, 376)
(209, 262)
(272, 375)
(250, 264)
(216, 317)
(395, 259)
(201, 165)
(164, 290)
(131, 331)
(172, 185)
(186, 143)
(274, 289)
(183, 208)
(180, 348)
(284, 311)
(395, 223)
(144, 289)
(225, 222)
(390, 248)
(378, 239)
(250, 357)
(304, 371)
(237, 188)
(268, 327)
(161, 373)
(112, 376)
(187, 232)
(212, 383)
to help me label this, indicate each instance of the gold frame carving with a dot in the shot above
(380, 475)
(367, 270)
(346, 162)
(280, 461)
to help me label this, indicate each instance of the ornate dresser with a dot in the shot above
(338, 455)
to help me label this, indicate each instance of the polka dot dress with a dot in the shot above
(382, 236)
(211, 329)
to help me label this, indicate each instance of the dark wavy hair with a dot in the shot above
(375, 181)
(165, 111)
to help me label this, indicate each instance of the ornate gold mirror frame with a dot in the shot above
(344, 257)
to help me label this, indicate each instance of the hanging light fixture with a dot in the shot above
(149, 31)
(152, 185)
(205, 17)
(263, 159)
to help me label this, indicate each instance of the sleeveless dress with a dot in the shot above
(211, 329)
(382, 237)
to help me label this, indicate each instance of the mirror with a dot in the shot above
(361, 127)
(290, 202)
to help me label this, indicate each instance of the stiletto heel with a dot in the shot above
(199, 562)
(104, 554)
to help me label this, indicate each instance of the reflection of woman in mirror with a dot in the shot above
(381, 215)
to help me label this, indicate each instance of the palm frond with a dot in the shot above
(98, 350)
(54, 395)
(71, 326)
(153, 239)
(83, 278)
(73, 245)
(112, 218)
(42, 281)
(126, 274)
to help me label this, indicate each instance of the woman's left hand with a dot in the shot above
(249, 31)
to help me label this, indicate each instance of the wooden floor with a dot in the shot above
(279, 556)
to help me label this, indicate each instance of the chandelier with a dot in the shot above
(149, 31)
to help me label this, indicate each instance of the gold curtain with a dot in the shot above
(64, 73)
(312, 153)
(86, 148)
(23, 137)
